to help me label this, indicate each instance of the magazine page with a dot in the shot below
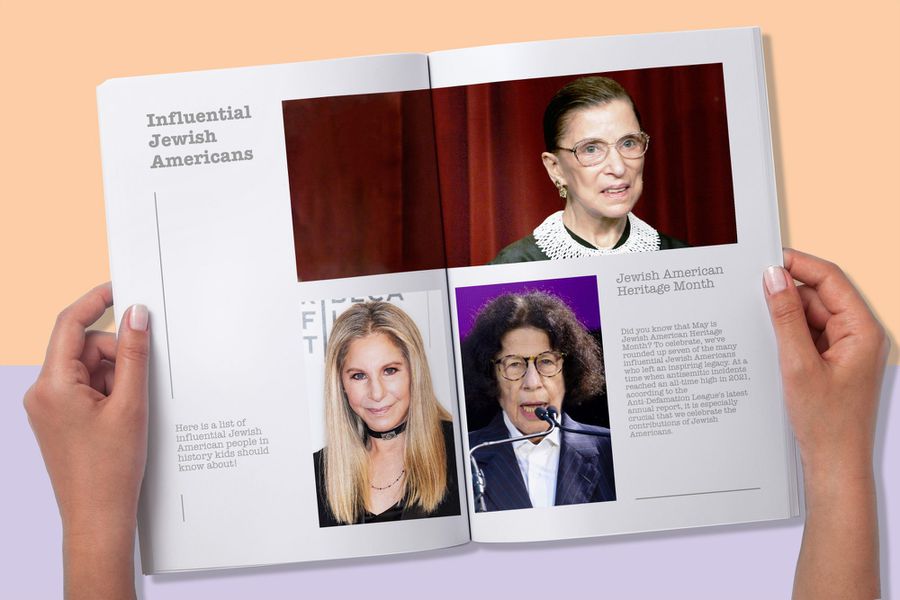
(609, 212)
(303, 402)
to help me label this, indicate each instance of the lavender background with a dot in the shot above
(580, 293)
(739, 561)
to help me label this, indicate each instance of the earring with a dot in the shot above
(562, 189)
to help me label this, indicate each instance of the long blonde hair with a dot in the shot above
(346, 460)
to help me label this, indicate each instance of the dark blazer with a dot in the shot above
(585, 467)
(448, 506)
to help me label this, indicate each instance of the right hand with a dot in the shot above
(832, 352)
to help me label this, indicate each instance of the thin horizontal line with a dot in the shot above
(699, 493)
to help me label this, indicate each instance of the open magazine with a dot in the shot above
(367, 276)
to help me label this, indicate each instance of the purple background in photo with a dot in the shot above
(580, 293)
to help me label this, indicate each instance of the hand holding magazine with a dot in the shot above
(489, 221)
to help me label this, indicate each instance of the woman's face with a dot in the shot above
(609, 189)
(376, 380)
(519, 398)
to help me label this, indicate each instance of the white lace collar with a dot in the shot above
(554, 241)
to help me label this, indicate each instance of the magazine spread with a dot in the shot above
(367, 275)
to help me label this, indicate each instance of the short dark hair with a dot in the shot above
(582, 366)
(578, 94)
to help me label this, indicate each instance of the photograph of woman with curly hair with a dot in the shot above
(527, 350)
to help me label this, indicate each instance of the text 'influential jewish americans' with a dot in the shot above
(178, 137)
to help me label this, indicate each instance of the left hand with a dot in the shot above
(88, 410)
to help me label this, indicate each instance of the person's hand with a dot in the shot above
(832, 353)
(88, 410)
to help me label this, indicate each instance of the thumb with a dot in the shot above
(132, 353)
(796, 350)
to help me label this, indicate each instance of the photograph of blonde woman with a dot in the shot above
(389, 452)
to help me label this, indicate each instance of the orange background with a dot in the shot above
(833, 76)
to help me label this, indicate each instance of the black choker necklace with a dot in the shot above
(389, 434)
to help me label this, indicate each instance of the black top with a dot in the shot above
(448, 506)
(526, 249)
(584, 474)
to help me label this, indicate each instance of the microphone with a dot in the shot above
(550, 415)
(479, 484)
(547, 414)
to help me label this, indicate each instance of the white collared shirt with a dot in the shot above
(538, 463)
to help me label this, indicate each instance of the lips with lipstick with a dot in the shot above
(616, 191)
(382, 417)
(379, 411)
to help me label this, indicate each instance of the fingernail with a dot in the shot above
(775, 279)
(139, 317)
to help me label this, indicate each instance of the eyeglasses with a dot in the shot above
(593, 152)
(513, 367)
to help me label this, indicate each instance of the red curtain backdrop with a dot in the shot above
(494, 189)
(365, 195)
(364, 187)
